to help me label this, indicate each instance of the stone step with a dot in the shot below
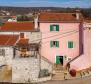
(60, 71)
(59, 68)
(58, 77)
(61, 78)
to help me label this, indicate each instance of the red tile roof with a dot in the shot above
(58, 17)
(8, 39)
(23, 41)
(18, 26)
(88, 21)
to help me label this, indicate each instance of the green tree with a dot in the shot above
(22, 18)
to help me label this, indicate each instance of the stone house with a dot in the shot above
(6, 48)
(25, 47)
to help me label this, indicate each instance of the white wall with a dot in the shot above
(45, 64)
(33, 36)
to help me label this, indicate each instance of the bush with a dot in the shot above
(22, 18)
(43, 73)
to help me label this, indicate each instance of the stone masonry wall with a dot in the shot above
(45, 64)
(7, 59)
(25, 70)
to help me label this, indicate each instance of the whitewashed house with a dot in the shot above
(6, 48)
(29, 29)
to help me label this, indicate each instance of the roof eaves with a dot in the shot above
(60, 21)
(19, 30)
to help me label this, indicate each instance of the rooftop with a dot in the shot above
(59, 17)
(18, 26)
(8, 40)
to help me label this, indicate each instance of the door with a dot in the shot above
(59, 60)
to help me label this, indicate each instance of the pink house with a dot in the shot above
(61, 36)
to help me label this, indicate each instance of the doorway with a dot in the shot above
(59, 60)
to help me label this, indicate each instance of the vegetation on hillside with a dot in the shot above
(27, 10)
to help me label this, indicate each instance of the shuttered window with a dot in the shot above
(54, 43)
(2, 52)
(54, 27)
(70, 44)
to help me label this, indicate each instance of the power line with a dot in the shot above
(54, 35)
(68, 33)
(49, 37)
(61, 37)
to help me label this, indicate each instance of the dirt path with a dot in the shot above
(86, 80)
(5, 74)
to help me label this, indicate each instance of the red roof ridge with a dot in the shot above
(21, 22)
(58, 12)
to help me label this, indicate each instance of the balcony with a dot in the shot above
(29, 50)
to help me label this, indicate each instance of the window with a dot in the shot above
(2, 52)
(70, 44)
(54, 27)
(54, 43)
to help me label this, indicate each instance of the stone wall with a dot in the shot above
(25, 70)
(2, 60)
(46, 64)
(7, 59)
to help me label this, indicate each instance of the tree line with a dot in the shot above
(25, 10)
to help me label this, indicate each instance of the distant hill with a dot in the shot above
(27, 10)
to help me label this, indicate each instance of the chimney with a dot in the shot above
(77, 14)
(21, 35)
(36, 21)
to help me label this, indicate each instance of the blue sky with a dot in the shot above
(46, 3)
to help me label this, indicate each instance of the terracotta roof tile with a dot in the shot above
(23, 41)
(88, 21)
(58, 17)
(18, 26)
(8, 39)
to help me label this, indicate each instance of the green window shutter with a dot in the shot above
(51, 27)
(57, 27)
(70, 44)
(51, 43)
(57, 43)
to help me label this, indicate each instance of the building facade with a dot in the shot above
(83, 61)
(61, 36)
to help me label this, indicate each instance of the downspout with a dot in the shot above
(81, 40)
